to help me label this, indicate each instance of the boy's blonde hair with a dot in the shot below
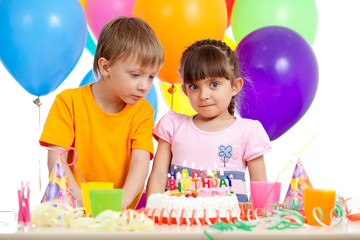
(126, 37)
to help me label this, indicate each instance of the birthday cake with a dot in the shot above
(204, 206)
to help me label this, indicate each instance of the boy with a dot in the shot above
(108, 122)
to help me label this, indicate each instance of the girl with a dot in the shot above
(214, 138)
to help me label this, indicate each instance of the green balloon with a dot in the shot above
(250, 15)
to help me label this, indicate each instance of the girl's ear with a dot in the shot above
(183, 86)
(238, 84)
(103, 67)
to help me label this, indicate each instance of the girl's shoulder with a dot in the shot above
(175, 117)
(249, 123)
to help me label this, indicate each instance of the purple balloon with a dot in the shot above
(283, 73)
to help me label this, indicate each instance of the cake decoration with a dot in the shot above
(199, 179)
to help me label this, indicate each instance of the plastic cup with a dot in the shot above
(86, 187)
(105, 199)
(315, 199)
(264, 194)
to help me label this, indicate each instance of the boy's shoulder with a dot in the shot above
(73, 92)
(143, 105)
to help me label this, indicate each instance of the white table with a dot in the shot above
(348, 230)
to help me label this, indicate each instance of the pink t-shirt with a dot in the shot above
(227, 150)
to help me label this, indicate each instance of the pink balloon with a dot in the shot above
(98, 13)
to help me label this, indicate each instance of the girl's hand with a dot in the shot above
(245, 205)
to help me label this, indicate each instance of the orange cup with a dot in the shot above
(315, 199)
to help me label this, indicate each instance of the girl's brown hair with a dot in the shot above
(209, 59)
(125, 37)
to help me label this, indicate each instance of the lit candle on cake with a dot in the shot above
(222, 180)
(192, 165)
(215, 165)
(209, 172)
(230, 178)
(178, 176)
(184, 163)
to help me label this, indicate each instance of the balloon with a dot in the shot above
(180, 102)
(229, 6)
(151, 97)
(284, 74)
(89, 78)
(90, 44)
(41, 41)
(82, 3)
(249, 15)
(229, 42)
(98, 13)
(179, 23)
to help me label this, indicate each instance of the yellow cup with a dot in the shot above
(315, 199)
(86, 187)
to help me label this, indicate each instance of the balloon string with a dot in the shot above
(171, 90)
(306, 146)
(172, 100)
(38, 104)
(296, 154)
(65, 163)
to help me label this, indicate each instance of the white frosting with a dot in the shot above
(211, 204)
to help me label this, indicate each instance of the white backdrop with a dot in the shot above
(331, 160)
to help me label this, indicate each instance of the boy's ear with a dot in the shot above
(103, 67)
(238, 84)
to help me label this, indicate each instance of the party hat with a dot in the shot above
(299, 181)
(59, 187)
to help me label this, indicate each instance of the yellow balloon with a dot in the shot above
(229, 42)
(82, 3)
(180, 102)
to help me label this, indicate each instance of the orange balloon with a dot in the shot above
(178, 24)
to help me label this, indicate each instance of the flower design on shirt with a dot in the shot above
(225, 153)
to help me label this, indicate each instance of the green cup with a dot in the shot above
(105, 199)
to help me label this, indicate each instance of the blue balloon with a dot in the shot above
(151, 97)
(89, 78)
(41, 41)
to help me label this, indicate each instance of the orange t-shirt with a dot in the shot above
(103, 141)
